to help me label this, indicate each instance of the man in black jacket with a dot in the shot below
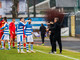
(51, 32)
(43, 31)
(56, 35)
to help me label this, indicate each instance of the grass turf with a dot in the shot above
(13, 55)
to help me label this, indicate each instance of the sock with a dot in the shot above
(2, 44)
(13, 44)
(9, 45)
(24, 44)
(27, 47)
(18, 46)
(31, 46)
(21, 46)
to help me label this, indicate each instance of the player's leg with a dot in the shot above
(0, 38)
(7, 38)
(11, 39)
(14, 41)
(24, 41)
(32, 46)
(2, 41)
(18, 43)
(32, 42)
(18, 47)
(21, 41)
(27, 44)
(24, 45)
(8, 45)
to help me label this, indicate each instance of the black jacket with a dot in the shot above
(57, 29)
(51, 28)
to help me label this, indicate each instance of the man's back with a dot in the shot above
(20, 28)
(28, 29)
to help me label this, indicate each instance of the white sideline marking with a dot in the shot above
(59, 55)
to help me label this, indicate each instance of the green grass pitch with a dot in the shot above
(41, 54)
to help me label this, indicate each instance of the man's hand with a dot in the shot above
(24, 22)
(49, 32)
(27, 20)
(51, 22)
(25, 36)
(32, 32)
(48, 23)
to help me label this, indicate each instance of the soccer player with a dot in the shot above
(12, 29)
(20, 35)
(28, 34)
(1, 31)
(24, 37)
(6, 34)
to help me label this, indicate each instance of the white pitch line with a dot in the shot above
(59, 55)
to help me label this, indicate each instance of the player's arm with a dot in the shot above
(16, 28)
(22, 24)
(3, 26)
(49, 32)
(25, 32)
(27, 21)
(32, 30)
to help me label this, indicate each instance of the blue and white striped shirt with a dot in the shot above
(28, 29)
(19, 28)
(6, 29)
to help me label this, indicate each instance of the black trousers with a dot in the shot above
(56, 39)
(51, 39)
(42, 37)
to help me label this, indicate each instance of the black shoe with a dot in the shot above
(60, 52)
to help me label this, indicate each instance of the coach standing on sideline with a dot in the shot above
(43, 32)
(57, 35)
(51, 32)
